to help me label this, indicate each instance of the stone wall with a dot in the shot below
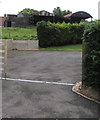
(22, 44)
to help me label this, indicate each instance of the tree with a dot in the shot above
(65, 12)
(58, 12)
(27, 11)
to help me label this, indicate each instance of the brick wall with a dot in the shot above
(2, 19)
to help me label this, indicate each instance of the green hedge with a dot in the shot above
(50, 34)
(91, 55)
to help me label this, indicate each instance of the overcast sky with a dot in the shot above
(14, 6)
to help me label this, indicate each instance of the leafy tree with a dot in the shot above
(65, 12)
(58, 12)
(27, 11)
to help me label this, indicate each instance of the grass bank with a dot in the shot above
(18, 33)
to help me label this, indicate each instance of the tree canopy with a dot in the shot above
(58, 12)
(27, 11)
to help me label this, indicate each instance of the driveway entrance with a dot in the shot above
(35, 100)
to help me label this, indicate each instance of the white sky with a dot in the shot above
(14, 6)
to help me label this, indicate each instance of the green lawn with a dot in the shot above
(64, 48)
(18, 33)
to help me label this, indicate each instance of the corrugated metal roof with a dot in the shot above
(79, 14)
(68, 15)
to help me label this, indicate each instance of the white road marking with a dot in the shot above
(35, 81)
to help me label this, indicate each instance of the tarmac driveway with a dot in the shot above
(45, 66)
(36, 100)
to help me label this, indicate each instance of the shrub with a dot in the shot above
(91, 55)
(77, 31)
(50, 34)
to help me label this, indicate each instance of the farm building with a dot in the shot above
(46, 16)
(31, 19)
(8, 20)
(77, 16)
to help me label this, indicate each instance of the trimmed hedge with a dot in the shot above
(50, 34)
(91, 56)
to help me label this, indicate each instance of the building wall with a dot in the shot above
(22, 21)
(2, 20)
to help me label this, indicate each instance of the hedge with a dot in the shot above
(59, 34)
(91, 56)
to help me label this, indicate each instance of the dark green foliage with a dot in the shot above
(58, 12)
(91, 55)
(50, 34)
(27, 11)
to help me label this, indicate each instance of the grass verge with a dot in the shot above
(64, 48)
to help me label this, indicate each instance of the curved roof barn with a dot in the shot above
(81, 14)
(78, 16)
